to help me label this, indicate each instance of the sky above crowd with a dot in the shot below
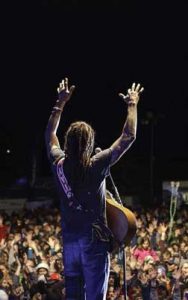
(102, 50)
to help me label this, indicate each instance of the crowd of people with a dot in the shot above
(157, 259)
(31, 250)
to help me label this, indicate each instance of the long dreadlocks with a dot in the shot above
(78, 146)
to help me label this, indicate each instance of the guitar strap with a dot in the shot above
(72, 201)
(100, 230)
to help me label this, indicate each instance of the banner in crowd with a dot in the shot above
(16, 204)
(12, 204)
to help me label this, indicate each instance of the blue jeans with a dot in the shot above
(86, 267)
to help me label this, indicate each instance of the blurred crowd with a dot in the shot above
(156, 260)
(31, 250)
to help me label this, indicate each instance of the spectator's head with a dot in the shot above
(6, 284)
(148, 216)
(18, 291)
(150, 228)
(184, 270)
(171, 250)
(136, 292)
(185, 237)
(171, 265)
(58, 265)
(111, 293)
(182, 246)
(144, 243)
(114, 279)
(175, 246)
(152, 271)
(46, 227)
(36, 296)
(185, 252)
(139, 222)
(18, 222)
(37, 290)
(166, 255)
(111, 280)
(44, 247)
(42, 269)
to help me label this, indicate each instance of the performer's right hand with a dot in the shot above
(64, 92)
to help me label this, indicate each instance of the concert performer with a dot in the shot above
(80, 178)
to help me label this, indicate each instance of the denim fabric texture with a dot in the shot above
(86, 264)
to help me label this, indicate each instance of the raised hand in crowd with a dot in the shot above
(143, 277)
(3, 244)
(154, 222)
(150, 228)
(163, 227)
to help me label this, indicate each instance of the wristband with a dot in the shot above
(131, 103)
(56, 108)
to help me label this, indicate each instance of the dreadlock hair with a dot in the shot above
(78, 146)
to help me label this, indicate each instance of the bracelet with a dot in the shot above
(131, 103)
(56, 108)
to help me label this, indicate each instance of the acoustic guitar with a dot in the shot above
(122, 223)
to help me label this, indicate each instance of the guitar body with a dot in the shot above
(122, 223)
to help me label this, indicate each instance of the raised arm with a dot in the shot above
(123, 143)
(64, 94)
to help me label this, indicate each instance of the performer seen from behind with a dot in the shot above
(80, 177)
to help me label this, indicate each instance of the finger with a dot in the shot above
(66, 84)
(72, 88)
(124, 97)
(58, 90)
(137, 87)
(141, 90)
(129, 91)
(133, 86)
(62, 86)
